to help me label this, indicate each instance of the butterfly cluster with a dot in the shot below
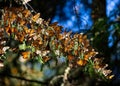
(32, 37)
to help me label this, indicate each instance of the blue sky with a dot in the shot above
(83, 21)
(71, 21)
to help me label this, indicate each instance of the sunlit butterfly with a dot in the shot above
(82, 62)
(25, 54)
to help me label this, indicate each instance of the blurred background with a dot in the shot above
(99, 19)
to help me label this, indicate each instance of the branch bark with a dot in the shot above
(22, 78)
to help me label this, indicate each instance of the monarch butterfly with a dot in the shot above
(20, 36)
(61, 36)
(26, 13)
(13, 17)
(25, 54)
(56, 28)
(45, 58)
(1, 51)
(25, 1)
(82, 62)
(86, 57)
(110, 77)
(97, 66)
(29, 31)
(35, 17)
(70, 57)
(22, 22)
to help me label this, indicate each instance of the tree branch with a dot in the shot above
(22, 78)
